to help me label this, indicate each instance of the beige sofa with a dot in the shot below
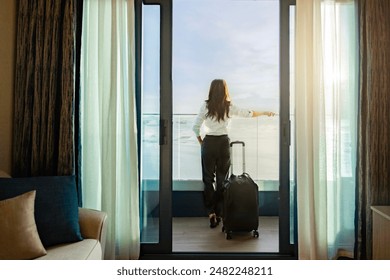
(93, 225)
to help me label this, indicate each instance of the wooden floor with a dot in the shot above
(195, 235)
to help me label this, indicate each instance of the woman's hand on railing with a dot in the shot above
(265, 113)
(269, 114)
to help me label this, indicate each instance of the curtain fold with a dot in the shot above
(311, 198)
(108, 122)
(43, 135)
(374, 118)
(326, 106)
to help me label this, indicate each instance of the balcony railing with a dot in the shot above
(261, 136)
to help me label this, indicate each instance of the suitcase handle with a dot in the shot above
(237, 142)
(243, 155)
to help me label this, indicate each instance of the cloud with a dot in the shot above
(234, 40)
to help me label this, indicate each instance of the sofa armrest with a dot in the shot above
(93, 225)
(4, 174)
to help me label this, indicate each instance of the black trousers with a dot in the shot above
(215, 169)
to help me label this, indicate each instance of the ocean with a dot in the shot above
(261, 137)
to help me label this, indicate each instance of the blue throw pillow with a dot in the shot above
(56, 206)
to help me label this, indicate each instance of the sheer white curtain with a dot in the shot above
(108, 117)
(326, 112)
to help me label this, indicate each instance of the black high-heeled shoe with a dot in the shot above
(213, 221)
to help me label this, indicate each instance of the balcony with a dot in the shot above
(261, 136)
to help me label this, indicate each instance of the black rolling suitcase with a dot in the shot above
(240, 201)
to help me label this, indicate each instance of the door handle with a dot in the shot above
(287, 133)
(163, 132)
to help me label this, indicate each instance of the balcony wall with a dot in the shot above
(187, 198)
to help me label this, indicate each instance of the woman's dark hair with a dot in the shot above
(219, 101)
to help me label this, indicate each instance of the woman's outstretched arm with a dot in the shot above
(265, 113)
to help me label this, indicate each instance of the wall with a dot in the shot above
(7, 59)
(187, 198)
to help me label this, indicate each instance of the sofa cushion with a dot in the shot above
(56, 205)
(19, 237)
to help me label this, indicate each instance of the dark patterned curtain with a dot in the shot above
(45, 82)
(374, 136)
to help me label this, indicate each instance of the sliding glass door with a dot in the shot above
(182, 46)
(155, 114)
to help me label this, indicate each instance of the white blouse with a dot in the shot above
(214, 127)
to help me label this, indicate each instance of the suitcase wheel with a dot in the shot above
(255, 234)
(228, 235)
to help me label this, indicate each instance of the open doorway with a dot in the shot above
(237, 41)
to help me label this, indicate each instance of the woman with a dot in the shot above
(215, 114)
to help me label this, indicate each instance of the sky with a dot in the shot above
(236, 40)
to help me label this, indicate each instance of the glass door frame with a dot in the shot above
(285, 246)
(163, 249)
(164, 245)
